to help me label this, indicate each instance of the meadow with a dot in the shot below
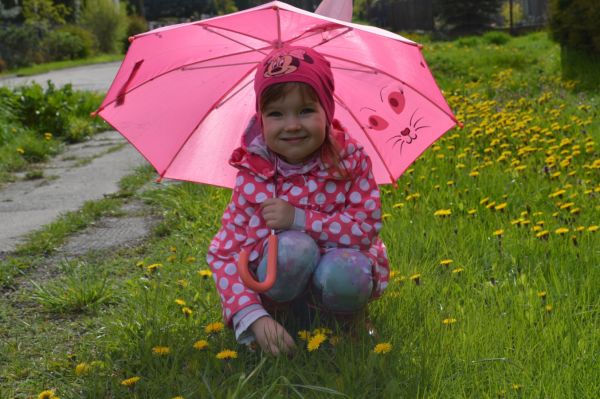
(494, 245)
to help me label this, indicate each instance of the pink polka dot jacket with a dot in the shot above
(339, 212)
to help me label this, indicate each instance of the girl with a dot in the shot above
(301, 174)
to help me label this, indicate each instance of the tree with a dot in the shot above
(466, 16)
(107, 21)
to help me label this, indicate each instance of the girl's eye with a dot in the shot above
(273, 114)
(307, 111)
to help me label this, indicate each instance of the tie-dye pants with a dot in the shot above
(339, 281)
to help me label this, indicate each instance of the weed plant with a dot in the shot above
(494, 245)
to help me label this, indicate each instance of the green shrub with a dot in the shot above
(498, 38)
(19, 45)
(34, 149)
(574, 24)
(468, 41)
(107, 21)
(79, 129)
(59, 46)
(466, 16)
(87, 38)
(136, 25)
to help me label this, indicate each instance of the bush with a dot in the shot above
(87, 38)
(107, 21)
(79, 129)
(137, 24)
(498, 38)
(59, 46)
(19, 45)
(466, 16)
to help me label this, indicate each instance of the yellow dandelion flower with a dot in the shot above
(153, 267)
(205, 273)
(173, 248)
(47, 394)
(161, 350)
(322, 330)
(449, 321)
(498, 233)
(416, 278)
(398, 205)
(446, 262)
(226, 354)
(214, 328)
(443, 212)
(382, 348)
(557, 193)
(561, 230)
(140, 264)
(484, 201)
(201, 344)
(315, 341)
(183, 283)
(82, 369)
(304, 335)
(474, 173)
(542, 294)
(171, 258)
(549, 308)
(517, 387)
(472, 212)
(592, 229)
(177, 397)
(542, 234)
(458, 270)
(500, 207)
(129, 382)
(187, 312)
(48, 136)
(180, 302)
(20, 151)
(567, 205)
(190, 259)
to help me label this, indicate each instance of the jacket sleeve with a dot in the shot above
(358, 225)
(223, 254)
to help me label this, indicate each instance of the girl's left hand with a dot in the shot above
(278, 214)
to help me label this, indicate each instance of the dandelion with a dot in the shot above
(458, 270)
(382, 348)
(386, 216)
(140, 264)
(542, 294)
(449, 321)
(474, 173)
(48, 136)
(177, 397)
(322, 330)
(82, 369)
(416, 278)
(226, 354)
(472, 212)
(172, 258)
(593, 229)
(187, 312)
(180, 302)
(183, 283)
(129, 382)
(153, 267)
(498, 233)
(500, 207)
(201, 344)
(315, 341)
(205, 273)
(190, 259)
(214, 328)
(47, 394)
(542, 234)
(304, 335)
(446, 262)
(173, 248)
(20, 151)
(548, 308)
(484, 201)
(398, 205)
(443, 212)
(561, 230)
(161, 350)
(517, 387)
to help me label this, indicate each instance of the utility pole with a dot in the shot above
(510, 13)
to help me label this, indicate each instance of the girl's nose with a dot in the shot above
(292, 123)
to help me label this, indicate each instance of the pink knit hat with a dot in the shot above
(297, 64)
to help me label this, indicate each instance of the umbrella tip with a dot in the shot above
(131, 38)
(94, 114)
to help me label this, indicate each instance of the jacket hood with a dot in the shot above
(254, 155)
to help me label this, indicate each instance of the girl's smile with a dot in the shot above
(294, 126)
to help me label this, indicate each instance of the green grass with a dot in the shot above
(53, 66)
(515, 314)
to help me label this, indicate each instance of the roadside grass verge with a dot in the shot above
(53, 66)
(494, 244)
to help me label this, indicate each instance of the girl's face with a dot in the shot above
(294, 126)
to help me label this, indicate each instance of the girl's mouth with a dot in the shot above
(293, 139)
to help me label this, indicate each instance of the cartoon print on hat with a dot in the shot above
(284, 63)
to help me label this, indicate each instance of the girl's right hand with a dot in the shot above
(272, 336)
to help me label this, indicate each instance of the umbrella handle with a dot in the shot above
(247, 278)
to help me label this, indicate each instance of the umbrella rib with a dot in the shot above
(232, 39)
(343, 104)
(191, 68)
(162, 174)
(316, 32)
(377, 70)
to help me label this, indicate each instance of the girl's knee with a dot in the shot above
(297, 257)
(343, 280)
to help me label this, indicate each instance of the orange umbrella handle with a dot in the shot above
(247, 278)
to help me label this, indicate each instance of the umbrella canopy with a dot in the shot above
(184, 93)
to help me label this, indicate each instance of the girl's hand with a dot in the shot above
(278, 214)
(272, 336)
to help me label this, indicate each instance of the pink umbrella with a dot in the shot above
(184, 93)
